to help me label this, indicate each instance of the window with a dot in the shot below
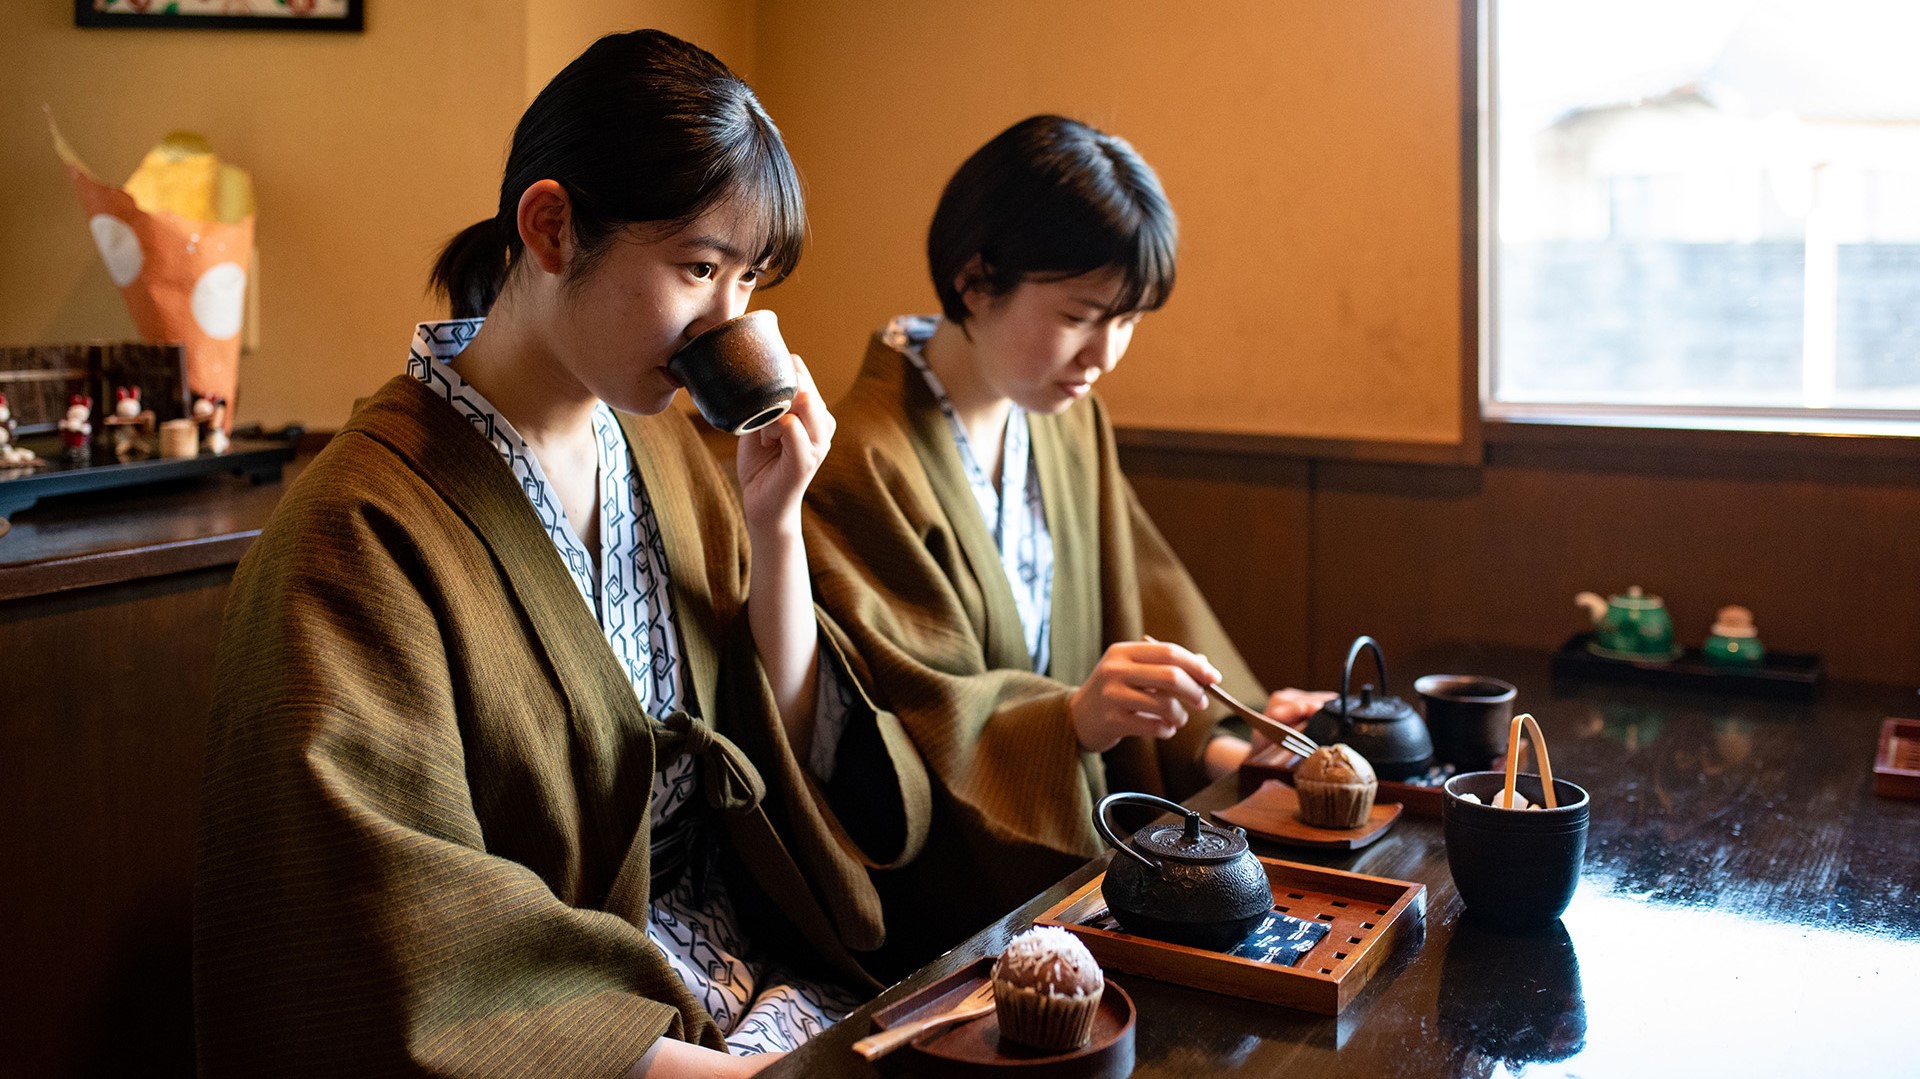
(1704, 212)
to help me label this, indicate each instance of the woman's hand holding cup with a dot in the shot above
(777, 461)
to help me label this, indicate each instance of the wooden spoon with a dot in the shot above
(974, 1005)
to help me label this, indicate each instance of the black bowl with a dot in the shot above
(1468, 716)
(1514, 867)
(739, 374)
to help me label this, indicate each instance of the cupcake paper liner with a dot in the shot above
(1045, 1020)
(1335, 805)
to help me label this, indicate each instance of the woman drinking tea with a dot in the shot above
(503, 775)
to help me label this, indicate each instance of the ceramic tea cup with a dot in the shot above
(739, 374)
(1468, 716)
(1514, 867)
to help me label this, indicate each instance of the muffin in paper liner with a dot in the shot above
(1047, 989)
(1336, 788)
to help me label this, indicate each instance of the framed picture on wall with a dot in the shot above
(222, 14)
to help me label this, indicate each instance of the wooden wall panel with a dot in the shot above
(105, 706)
(1384, 542)
(1241, 528)
(1418, 556)
(1827, 567)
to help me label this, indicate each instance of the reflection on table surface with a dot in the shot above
(1748, 906)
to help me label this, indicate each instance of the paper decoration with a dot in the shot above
(177, 240)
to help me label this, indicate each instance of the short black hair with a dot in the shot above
(1052, 198)
(642, 127)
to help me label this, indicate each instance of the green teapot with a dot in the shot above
(1634, 626)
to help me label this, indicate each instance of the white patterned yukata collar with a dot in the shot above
(628, 592)
(1024, 542)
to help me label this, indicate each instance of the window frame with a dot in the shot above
(1835, 431)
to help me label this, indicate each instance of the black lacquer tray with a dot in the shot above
(259, 459)
(1795, 675)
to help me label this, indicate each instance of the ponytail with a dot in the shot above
(473, 267)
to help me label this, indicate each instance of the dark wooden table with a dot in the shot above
(1747, 907)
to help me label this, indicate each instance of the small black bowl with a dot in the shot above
(739, 374)
(1468, 716)
(1514, 867)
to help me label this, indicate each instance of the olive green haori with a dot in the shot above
(425, 839)
(905, 564)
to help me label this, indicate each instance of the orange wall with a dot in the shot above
(557, 31)
(1311, 151)
(367, 151)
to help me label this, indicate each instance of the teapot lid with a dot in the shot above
(1734, 621)
(1635, 598)
(1191, 841)
(1365, 707)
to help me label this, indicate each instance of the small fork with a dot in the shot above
(974, 1005)
(1293, 740)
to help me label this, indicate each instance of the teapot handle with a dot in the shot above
(1346, 673)
(1595, 604)
(1102, 819)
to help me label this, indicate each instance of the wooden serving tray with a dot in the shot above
(1367, 916)
(1273, 813)
(1273, 762)
(974, 1047)
(1896, 768)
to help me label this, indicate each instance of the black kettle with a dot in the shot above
(1185, 882)
(1384, 729)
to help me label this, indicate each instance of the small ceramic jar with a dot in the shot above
(1734, 641)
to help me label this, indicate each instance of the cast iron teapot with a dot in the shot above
(1384, 729)
(1185, 882)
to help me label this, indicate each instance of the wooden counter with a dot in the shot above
(110, 608)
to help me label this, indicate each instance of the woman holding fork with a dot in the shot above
(973, 532)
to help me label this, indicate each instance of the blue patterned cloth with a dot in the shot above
(758, 1006)
(1026, 546)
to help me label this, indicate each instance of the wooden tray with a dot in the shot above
(1896, 768)
(975, 1047)
(1277, 763)
(1368, 915)
(1794, 675)
(1272, 813)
